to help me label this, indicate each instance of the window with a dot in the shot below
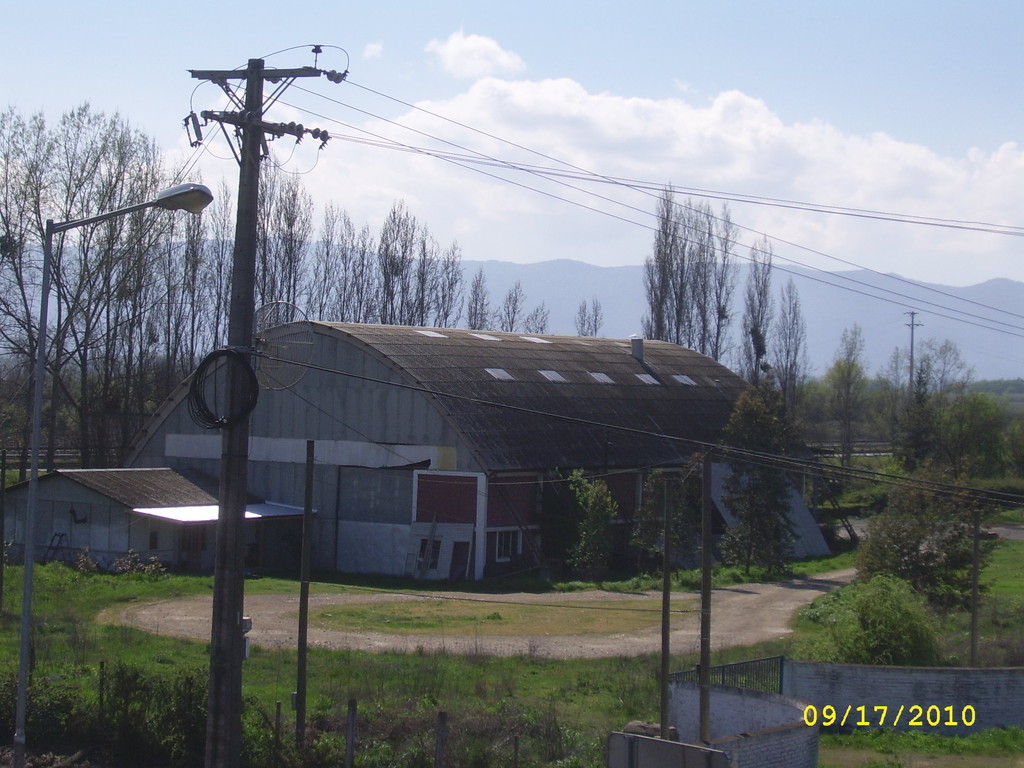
(500, 374)
(682, 378)
(485, 336)
(434, 546)
(506, 546)
(646, 378)
(553, 376)
(601, 378)
(154, 538)
(535, 340)
(431, 334)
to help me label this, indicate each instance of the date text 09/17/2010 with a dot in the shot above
(913, 716)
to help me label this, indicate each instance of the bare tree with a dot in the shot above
(660, 270)
(396, 252)
(757, 312)
(510, 313)
(790, 343)
(689, 277)
(478, 304)
(285, 227)
(216, 269)
(25, 148)
(723, 285)
(425, 285)
(589, 319)
(537, 320)
(331, 267)
(448, 304)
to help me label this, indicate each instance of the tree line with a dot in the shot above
(137, 301)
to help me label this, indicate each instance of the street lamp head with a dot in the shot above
(184, 197)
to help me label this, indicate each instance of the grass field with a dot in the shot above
(558, 712)
(496, 618)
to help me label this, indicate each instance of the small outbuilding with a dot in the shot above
(157, 513)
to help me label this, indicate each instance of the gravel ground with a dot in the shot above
(740, 615)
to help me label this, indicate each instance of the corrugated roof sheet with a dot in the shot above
(532, 421)
(145, 488)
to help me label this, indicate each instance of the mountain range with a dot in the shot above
(979, 319)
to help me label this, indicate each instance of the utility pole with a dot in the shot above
(307, 540)
(911, 325)
(666, 605)
(707, 508)
(224, 713)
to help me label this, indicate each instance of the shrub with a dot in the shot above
(881, 621)
(925, 538)
(132, 563)
(84, 563)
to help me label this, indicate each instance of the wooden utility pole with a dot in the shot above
(224, 714)
(3, 520)
(666, 605)
(706, 563)
(224, 718)
(307, 539)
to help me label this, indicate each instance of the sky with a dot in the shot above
(897, 106)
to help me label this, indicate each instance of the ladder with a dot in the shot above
(58, 548)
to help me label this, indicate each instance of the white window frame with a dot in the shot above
(514, 547)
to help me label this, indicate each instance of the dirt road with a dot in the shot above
(740, 614)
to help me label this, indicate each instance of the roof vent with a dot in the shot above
(637, 346)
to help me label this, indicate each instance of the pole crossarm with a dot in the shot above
(248, 118)
(273, 75)
(276, 130)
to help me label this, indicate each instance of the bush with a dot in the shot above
(925, 538)
(132, 563)
(881, 621)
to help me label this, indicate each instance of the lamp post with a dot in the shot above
(183, 197)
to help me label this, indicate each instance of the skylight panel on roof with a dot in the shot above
(682, 378)
(485, 336)
(431, 334)
(602, 378)
(646, 378)
(553, 376)
(534, 339)
(500, 374)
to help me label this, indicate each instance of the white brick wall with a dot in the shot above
(942, 694)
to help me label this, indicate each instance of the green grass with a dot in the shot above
(993, 742)
(1004, 574)
(561, 709)
(426, 615)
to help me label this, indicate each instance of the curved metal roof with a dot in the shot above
(527, 401)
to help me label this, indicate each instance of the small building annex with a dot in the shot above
(157, 513)
(433, 445)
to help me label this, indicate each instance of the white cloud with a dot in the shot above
(474, 56)
(733, 143)
(373, 50)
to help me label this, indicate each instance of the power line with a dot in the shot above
(478, 158)
(731, 452)
(728, 196)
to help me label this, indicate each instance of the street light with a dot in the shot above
(182, 197)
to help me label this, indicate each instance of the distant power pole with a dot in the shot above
(912, 325)
(224, 714)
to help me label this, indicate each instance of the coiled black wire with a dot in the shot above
(200, 410)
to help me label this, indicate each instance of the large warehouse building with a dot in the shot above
(433, 447)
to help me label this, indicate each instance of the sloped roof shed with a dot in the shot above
(527, 401)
